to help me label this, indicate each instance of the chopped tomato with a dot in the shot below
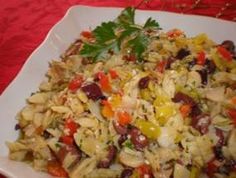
(55, 169)
(104, 81)
(201, 58)
(212, 167)
(124, 118)
(113, 74)
(87, 34)
(225, 53)
(68, 140)
(145, 171)
(232, 114)
(161, 66)
(185, 110)
(71, 126)
(75, 83)
(174, 33)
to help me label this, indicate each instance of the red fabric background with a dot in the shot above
(25, 23)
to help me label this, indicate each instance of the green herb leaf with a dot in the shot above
(139, 45)
(127, 16)
(127, 32)
(96, 51)
(109, 37)
(91, 50)
(105, 32)
(151, 23)
(128, 144)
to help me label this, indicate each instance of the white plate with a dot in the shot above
(80, 18)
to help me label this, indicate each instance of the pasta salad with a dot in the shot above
(129, 100)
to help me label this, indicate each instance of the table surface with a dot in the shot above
(25, 23)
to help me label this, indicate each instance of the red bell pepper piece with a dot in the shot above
(201, 58)
(232, 114)
(225, 53)
(75, 83)
(68, 140)
(124, 118)
(113, 74)
(174, 33)
(71, 126)
(145, 171)
(87, 34)
(104, 81)
(55, 169)
(212, 167)
(185, 110)
(161, 66)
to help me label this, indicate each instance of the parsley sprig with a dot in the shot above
(110, 36)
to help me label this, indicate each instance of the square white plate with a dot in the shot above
(80, 18)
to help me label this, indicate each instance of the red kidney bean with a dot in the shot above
(218, 152)
(220, 135)
(126, 173)
(139, 140)
(181, 97)
(210, 66)
(86, 61)
(229, 45)
(92, 91)
(17, 127)
(223, 170)
(119, 128)
(46, 134)
(233, 86)
(191, 64)
(122, 139)
(195, 111)
(231, 165)
(204, 76)
(201, 123)
(129, 57)
(143, 82)
(105, 163)
(169, 61)
(182, 53)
